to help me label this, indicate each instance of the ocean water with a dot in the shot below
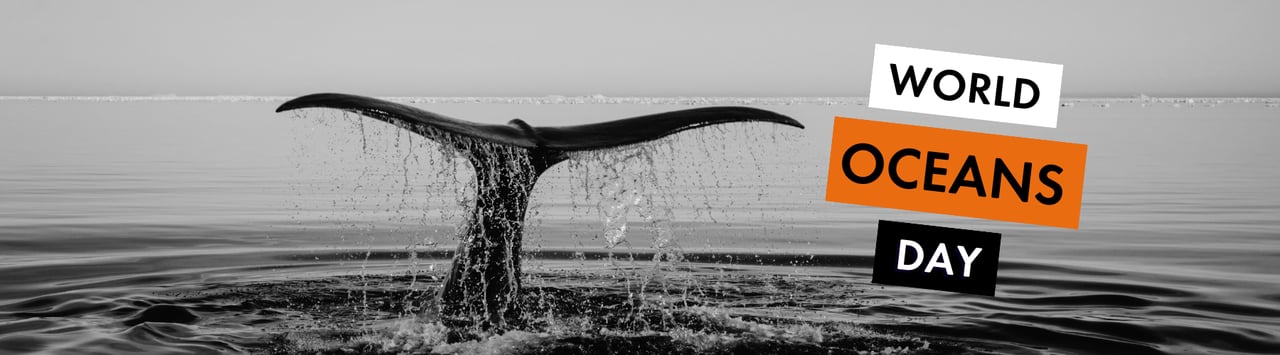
(171, 225)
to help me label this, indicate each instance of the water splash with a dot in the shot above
(624, 186)
(623, 180)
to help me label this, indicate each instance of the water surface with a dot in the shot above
(167, 226)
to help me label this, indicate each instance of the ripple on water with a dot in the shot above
(591, 302)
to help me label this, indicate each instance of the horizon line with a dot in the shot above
(602, 99)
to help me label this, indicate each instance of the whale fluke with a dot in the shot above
(413, 118)
(570, 138)
(484, 281)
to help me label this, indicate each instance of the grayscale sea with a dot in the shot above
(168, 225)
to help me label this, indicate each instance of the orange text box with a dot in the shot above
(956, 172)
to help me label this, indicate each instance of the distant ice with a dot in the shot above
(550, 99)
(675, 100)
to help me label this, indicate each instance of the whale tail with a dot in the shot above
(545, 142)
(483, 285)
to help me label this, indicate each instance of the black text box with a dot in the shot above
(936, 258)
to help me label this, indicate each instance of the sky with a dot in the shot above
(649, 48)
